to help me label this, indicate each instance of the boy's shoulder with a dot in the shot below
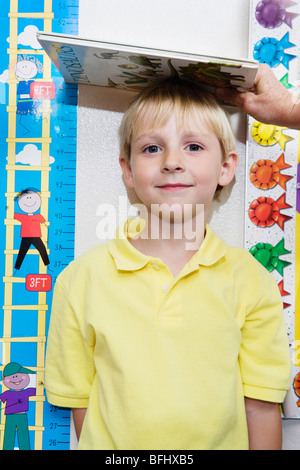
(236, 257)
(247, 270)
(242, 258)
(87, 263)
(236, 253)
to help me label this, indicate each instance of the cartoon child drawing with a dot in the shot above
(29, 202)
(25, 71)
(16, 379)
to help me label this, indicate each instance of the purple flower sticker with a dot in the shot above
(272, 13)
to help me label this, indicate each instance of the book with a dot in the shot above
(127, 67)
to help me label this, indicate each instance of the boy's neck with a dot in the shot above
(174, 243)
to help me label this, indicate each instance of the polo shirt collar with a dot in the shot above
(211, 250)
(128, 258)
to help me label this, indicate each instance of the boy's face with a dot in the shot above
(177, 165)
(29, 202)
(16, 381)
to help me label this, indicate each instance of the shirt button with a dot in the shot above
(154, 266)
(165, 288)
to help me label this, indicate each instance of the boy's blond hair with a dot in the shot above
(155, 103)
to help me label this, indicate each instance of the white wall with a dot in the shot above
(214, 27)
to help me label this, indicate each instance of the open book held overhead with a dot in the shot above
(92, 62)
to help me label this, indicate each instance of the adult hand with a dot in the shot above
(268, 101)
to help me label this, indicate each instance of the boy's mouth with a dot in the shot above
(174, 186)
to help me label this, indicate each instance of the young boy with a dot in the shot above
(165, 337)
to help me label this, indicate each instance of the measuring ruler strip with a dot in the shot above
(40, 154)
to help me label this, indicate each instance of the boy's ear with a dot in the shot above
(126, 169)
(229, 168)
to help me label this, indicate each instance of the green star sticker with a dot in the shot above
(285, 81)
(268, 255)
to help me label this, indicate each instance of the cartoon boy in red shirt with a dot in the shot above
(29, 202)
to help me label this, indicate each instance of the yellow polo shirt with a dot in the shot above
(164, 363)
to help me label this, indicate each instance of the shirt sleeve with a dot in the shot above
(69, 358)
(264, 355)
(19, 217)
(41, 218)
(3, 397)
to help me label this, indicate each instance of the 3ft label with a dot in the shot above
(38, 282)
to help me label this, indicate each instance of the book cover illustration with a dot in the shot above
(132, 68)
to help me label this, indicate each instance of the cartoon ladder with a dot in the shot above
(9, 280)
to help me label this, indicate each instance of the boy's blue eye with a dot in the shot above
(152, 149)
(194, 147)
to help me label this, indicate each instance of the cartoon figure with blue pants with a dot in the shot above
(25, 71)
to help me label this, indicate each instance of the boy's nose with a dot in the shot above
(172, 163)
